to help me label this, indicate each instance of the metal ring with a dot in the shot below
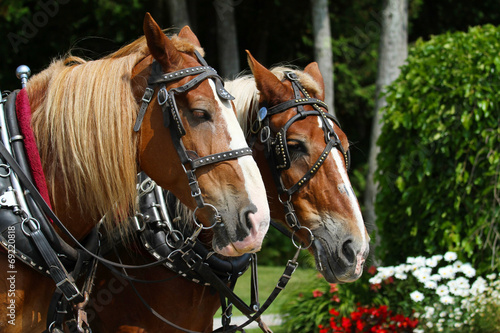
(217, 217)
(150, 183)
(177, 232)
(265, 134)
(300, 246)
(35, 224)
(6, 167)
(284, 201)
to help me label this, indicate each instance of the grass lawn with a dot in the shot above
(268, 277)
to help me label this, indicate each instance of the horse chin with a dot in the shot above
(233, 250)
(327, 264)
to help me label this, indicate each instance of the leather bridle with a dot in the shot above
(276, 147)
(172, 120)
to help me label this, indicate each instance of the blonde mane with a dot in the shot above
(247, 96)
(83, 116)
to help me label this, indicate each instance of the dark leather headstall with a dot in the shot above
(172, 119)
(277, 153)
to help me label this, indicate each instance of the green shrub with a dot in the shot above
(440, 159)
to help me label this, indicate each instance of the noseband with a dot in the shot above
(172, 120)
(276, 150)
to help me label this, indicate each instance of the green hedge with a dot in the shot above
(440, 158)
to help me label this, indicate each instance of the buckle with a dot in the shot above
(65, 286)
(292, 76)
(148, 95)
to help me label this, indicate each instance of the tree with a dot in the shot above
(178, 13)
(227, 42)
(323, 47)
(393, 51)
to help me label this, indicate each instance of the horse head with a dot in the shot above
(204, 130)
(156, 106)
(307, 153)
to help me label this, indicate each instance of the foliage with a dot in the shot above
(440, 157)
(425, 294)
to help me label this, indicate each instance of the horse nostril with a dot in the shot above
(348, 252)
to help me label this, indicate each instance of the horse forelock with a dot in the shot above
(307, 81)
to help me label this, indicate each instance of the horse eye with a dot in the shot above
(297, 147)
(201, 114)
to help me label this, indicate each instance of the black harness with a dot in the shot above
(172, 120)
(177, 246)
(27, 216)
(276, 147)
(190, 259)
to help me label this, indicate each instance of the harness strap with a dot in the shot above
(293, 103)
(64, 281)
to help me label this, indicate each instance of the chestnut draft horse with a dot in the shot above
(96, 128)
(303, 156)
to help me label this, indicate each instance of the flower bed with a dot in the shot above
(425, 294)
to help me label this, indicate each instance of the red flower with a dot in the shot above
(356, 315)
(375, 287)
(333, 312)
(372, 270)
(389, 280)
(317, 293)
(360, 325)
(335, 298)
(333, 288)
(346, 323)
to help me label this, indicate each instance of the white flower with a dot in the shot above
(400, 276)
(479, 286)
(447, 299)
(429, 284)
(437, 257)
(436, 277)
(447, 272)
(423, 274)
(491, 276)
(375, 280)
(429, 311)
(458, 265)
(431, 262)
(385, 272)
(468, 270)
(417, 296)
(450, 256)
(442, 290)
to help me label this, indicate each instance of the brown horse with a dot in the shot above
(83, 116)
(325, 206)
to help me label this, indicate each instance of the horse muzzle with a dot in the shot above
(340, 262)
(234, 238)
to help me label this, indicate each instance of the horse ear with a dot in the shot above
(160, 46)
(270, 87)
(313, 70)
(188, 34)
